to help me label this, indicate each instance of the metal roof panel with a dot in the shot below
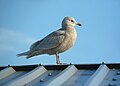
(63, 75)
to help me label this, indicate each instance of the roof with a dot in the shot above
(61, 75)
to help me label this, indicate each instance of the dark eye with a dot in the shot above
(72, 21)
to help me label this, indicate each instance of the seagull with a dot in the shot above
(56, 42)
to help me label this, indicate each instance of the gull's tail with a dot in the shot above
(24, 53)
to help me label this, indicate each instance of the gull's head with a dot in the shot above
(69, 21)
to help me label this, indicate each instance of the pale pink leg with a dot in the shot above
(57, 58)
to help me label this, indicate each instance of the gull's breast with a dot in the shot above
(68, 41)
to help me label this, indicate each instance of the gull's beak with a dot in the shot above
(78, 24)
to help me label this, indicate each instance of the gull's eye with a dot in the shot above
(72, 21)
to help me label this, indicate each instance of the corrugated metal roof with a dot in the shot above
(61, 75)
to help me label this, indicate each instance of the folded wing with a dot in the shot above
(50, 41)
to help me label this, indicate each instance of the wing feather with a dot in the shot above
(50, 41)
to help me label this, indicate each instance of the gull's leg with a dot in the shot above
(57, 58)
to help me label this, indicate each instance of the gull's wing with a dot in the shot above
(50, 41)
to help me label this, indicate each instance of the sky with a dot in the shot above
(22, 22)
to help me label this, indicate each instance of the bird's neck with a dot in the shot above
(67, 27)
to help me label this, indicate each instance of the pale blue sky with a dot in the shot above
(22, 22)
